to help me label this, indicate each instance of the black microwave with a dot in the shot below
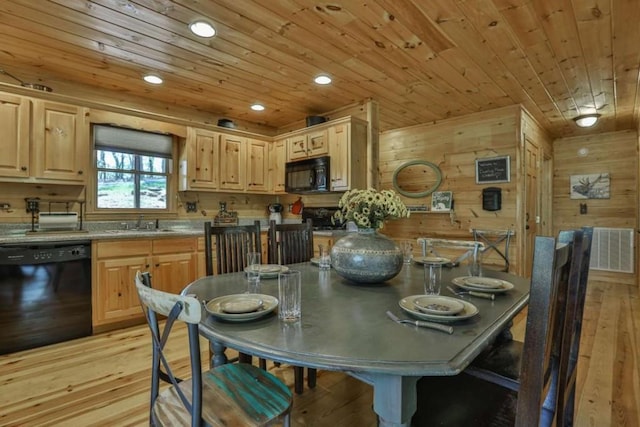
(307, 176)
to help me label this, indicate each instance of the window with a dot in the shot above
(132, 168)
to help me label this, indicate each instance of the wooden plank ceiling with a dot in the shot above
(420, 60)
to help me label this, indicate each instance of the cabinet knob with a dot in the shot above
(79, 172)
(24, 168)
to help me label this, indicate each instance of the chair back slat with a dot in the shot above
(290, 243)
(496, 241)
(456, 250)
(572, 329)
(232, 243)
(551, 276)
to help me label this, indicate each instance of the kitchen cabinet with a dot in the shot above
(307, 144)
(199, 160)
(347, 140)
(277, 160)
(171, 261)
(61, 141)
(233, 155)
(257, 166)
(14, 134)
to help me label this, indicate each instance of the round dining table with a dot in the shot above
(344, 327)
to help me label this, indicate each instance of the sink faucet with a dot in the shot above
(139, 224)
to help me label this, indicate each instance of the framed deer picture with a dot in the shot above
(592, 186)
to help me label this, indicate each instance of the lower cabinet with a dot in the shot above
(321, 240)
(172, 263)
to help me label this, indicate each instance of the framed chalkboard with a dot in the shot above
(494, 169)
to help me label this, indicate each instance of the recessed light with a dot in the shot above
(153, 79)
(202, 28)
(322, 79)
(586, 120)
(257, 107)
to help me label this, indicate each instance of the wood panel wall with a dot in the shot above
(615, 153)
(454, 145)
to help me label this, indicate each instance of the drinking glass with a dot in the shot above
(325, 258)
(432, 278)
(406, 246)
(475, 263)
(289, 294)
(253, 272)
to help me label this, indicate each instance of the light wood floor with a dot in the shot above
(103, 380)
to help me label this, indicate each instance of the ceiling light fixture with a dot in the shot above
(153, 79)
(586, 120)
(257, 107)
(202, 28)
(322, 79)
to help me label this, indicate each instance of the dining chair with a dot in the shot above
(457, 250)
(525, 392)
(230, 395)
(232, 243)
(570, 344)
(291, 244)
(495, 241)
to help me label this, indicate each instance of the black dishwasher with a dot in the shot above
(45, 294)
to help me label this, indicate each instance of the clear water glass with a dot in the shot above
(406, 246)
(253, 272)
(432, 278)
(325, 257)
(290, 295)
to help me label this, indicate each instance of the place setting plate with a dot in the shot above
(483, 284)
(431, 260)
(268, 271)
(241, 307)
(449, 309)
(315, 261)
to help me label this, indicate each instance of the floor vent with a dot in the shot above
(612, 249)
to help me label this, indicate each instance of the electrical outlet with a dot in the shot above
(191, 206)
(583, 208)
(5, 206)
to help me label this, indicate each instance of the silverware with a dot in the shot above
(473, 293)
(421, 323)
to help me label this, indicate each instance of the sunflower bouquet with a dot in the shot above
(370, 208)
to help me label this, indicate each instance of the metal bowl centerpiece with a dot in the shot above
(368, 256)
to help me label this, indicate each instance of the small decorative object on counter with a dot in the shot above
(368, 256)
(225, 217)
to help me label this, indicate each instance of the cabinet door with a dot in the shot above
(114, 296)
(14, 134)
(297, 147)
(258, 166)
(340, 156)
(277, 160)
(232, 162)
(172, 272)
(202, 158)
(61, 141)
(317, 144)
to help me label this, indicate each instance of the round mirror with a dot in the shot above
(417, 178)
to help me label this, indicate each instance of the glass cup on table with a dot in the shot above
(253, 272)
(475, 262)
(290, 295)
(324, 261)
(406, 246)
(432, 278)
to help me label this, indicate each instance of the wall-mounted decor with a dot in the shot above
(494, 169)
(417, 178)
(591, 186)
(441, 201)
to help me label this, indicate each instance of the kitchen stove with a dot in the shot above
(321, 217)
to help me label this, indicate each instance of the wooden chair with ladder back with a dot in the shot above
(291, 244)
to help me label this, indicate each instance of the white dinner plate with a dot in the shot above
(269, 271)
(483, 284)
(220, 307)
(431, 260)
(408, 305)
(315, 261)
(439, 305)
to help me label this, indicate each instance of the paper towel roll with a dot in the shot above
(58, 220)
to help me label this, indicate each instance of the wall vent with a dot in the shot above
(612, 249)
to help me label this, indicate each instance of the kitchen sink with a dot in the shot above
(140, 230)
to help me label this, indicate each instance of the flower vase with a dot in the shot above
(366, 257)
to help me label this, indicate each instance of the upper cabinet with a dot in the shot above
(348, 152)
(233, 155)
(14, 134)
(199, 160)
(60, 141)
(307, 144)
(257, 166)
(277, 160)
